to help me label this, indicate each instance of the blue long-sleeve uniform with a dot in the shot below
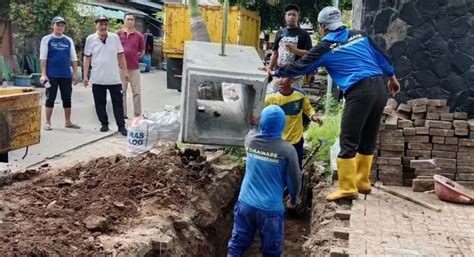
(348, 55)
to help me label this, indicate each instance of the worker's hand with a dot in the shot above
(393, 85)
(127, 77)
(253, 119)
(43, 79)
(282, 82)
(291, 47)
(317, 119)
(75, 78)
(85, 81)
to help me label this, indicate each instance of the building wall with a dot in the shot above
(431, 44)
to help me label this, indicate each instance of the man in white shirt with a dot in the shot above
(105, 52)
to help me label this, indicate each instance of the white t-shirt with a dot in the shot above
(105, 67)
(44, 47)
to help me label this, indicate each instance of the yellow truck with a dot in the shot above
(20, 119)
(243, 29)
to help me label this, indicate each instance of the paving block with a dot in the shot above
(466, 183)
(339, 252)
(405, 124)
(447, 116)
(466, 142)
(441, 109)
(417, 139)
(422, 130)
(392, 147)
(394, 160)
(219, 122)
(432, 116)
(419, 122)
(420, 146)
(391, 123)
(461, 132)
(465, 169)
(438, 124)
(397, 169)
(438, 140)
(423, 164)
(391, 153)
(443, 154)
(428, 172)
(449, 175)
(382, 160)
(465, 176)
(449, 170)
(391, 133)
(418, 115)
(340, 232)
(451, 141)
(461, 124)
(438, 102)
(402, 115)
(441, 132)
(392, 103)
(445, 163)
(465, 162)
(343, 214)
(422, 185)
(409, 131)
(419, 109)
(442, 147)
(465, 156)
(460, 115)
(418, 153)
(404, 108)
(468, 149)
(392, 140)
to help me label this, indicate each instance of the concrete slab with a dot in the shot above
(220, 122)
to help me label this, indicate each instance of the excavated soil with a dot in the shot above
(63, 215)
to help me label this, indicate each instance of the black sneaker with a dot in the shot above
(123, 131)
(104, 128)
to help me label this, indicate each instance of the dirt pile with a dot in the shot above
(64, 214)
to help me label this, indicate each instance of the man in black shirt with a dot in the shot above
(291, 43)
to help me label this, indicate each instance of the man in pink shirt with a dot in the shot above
(134, 47)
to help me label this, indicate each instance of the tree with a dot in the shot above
(271, 11)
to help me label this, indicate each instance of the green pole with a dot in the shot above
(225, 21)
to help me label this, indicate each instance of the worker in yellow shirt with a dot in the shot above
(294, 103)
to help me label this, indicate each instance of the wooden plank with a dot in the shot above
(408, 198)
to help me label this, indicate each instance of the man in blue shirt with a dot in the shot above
(357, 66)
(272, 165)
(57, 53)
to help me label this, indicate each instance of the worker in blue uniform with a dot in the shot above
(358, 67)
(272, 164)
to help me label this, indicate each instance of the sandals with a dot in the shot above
(73, 126)
(47, 127)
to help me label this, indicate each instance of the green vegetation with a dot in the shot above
(329, 131)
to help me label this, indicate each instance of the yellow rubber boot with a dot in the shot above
(364, 164)
(346, 170)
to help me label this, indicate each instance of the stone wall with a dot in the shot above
(431, 44)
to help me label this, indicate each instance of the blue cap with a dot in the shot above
(58, 19)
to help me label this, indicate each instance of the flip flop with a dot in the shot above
(47, 126)
(73, 126)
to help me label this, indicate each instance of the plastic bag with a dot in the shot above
(335, 149)
(146, 130)
(231, 92)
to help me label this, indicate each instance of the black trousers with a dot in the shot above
(360, 123)
(65, 87)
(100, 100)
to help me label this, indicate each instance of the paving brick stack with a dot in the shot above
(424, 129)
